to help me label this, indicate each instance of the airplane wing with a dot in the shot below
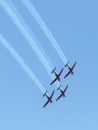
(73, 66)
(53, 81)
(59, 97)
(46, 103)
(67, 74)
(52, 94)
(65, 89)
(61, 71)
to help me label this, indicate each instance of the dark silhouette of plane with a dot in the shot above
(57, 75)
(70, 69)
(48, 97)
(62, 92)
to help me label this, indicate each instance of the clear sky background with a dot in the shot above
(74, 24)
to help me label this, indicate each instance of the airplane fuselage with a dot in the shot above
(57, 75)
(50, 100)
(62, 92)
(58, 78)
(70, 69)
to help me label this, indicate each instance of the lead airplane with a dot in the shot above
(62, 92)
(48, 97)
(57, 75)
(70, 69)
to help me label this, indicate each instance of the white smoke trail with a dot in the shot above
(37, 43)
(24, 29)
(17, 57)
(26, 34)
(45, 29)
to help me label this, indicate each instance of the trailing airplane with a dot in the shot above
(70, 69)
(48, 97)
(57, 75)
(62, 92)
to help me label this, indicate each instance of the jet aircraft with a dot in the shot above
(70, 69)
(48, 97)
(56, 75)
(62, 92)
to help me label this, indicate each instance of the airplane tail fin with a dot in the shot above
(59, 87)
(66, 64)
(45, 93)
(74, 65)
(52, 94)
(53, 70)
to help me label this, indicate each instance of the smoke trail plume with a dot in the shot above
(17, 57)
(45, 29)
(26, 32)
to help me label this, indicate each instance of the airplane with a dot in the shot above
(48, 97)
(62, 92)
(57, 75)
(70, 69)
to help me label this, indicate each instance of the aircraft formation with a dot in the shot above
(58, 78)
(33, 42)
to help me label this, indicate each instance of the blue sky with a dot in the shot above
(74, 25)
